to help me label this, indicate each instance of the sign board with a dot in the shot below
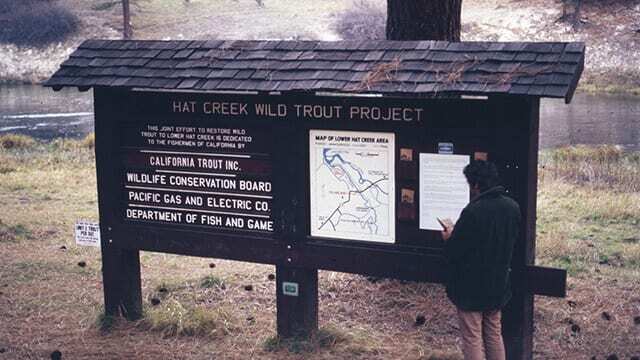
(327, 182)
(87, 233)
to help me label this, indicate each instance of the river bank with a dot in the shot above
(609, 28)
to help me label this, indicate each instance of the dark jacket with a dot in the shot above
(479, 252)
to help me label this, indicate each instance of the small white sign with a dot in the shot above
(444, 190)
(290, 288)
(87, 233)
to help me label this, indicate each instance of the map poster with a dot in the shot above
(444, 191)
(352, 186)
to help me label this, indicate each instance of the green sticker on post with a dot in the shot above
(290, 288)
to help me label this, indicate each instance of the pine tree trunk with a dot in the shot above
(126, 15)
(424, 19)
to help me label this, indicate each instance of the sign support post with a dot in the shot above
(296, 301)
(121, 280)
(120, 267)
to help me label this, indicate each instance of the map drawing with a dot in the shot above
(352, 188)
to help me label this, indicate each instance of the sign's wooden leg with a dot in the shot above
(296, 301)
(517, 323)
(121, 280)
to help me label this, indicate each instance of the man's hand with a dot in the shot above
(448, 229)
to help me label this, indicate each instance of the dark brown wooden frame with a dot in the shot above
(505, 127)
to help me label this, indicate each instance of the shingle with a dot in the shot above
(267, 85)
(548, 58)
(288, 65)
(76, 62)
(343, 65)
(247, 85)
(536, 90)
(211, 84)
(329, 84)
(305, 45)
(97, 62)
(514, 46)
(358, 55)
(519, 89)
(138, 82)
(93, 44)
(502, 56)
(508, 67)
(524, 80)
(425, 88)
(165, 64)
(411, 55)
(564, 68)
(212, 44)
(246, 44)
(139, 62)
(165, 54)
(150, 54)
(223, 74)
(183, 54)
(303, 85)
(288, 55)
(225, 54)
(243, 74)
(556, 90)
(525, 57)
(374, 56)
(424, 45)
(576, 47)
(120, 81)
(188, 83)
(571, 57)
(198, 54)
(538, 47)
(196, 44)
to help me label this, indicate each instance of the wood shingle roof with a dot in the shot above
(424, 68)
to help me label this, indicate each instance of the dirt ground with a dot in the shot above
(611, 29)
(51, 289)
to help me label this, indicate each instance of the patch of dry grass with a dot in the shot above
(605, 167)
(172, 318)
(589, 211)
(16, 141)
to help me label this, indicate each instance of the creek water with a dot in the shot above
(589, 119)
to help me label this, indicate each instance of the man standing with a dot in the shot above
(479, 249)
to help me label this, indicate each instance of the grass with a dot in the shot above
(586, 224)
(328, 338)
(16, 141)
(211, 281)
(589, 211)
(173, 318)
(13, 232)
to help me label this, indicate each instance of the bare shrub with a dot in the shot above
(603, 166)
(366, 20)
(16, 141)
(35, 22)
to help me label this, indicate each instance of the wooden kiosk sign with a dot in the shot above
(313, 155)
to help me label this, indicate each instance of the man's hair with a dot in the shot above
(483, 173)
